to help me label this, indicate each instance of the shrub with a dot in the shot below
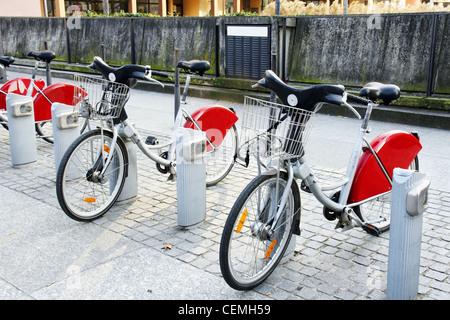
(297, 7)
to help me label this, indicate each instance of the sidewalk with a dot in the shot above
(46, 255)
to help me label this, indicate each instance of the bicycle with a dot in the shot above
(93, 170)
(44, 94)
(266, 214)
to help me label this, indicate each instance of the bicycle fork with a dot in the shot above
(98, 171)
(265, 227)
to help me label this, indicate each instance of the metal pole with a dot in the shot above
(277, 7)
(273, 96)
(105, 7)
(283, 52)
(430, 75)
(133, 46)
(177, 85)
(68, 43)
(47, 68)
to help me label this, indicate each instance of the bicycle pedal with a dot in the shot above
(151, 140)
(371, 229)
(243, 162)
(304, 187)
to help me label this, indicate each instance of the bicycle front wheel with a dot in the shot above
(248, 253)
(83, 192)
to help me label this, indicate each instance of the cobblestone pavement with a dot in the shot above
(326, 263)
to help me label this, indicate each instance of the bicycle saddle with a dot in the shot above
(45, 56)
(302, 98)
(6, 60)
(198, 66)
(377, 90)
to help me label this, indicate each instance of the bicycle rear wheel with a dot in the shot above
(82, 193)
(220, 161)
(376, 212)
(248, 255)
(44, 130)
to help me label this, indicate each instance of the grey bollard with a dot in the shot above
(409, 202)
(130, 187)
(3, 76)
(191, 177)
(289, 253)
(22, 134)
(65, 123)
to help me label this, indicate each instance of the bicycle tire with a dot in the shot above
(379, 207)
(47, 133)
(4, 122)
(220, 161)
(237, 233)
(80, 197)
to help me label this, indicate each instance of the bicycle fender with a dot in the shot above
(215, 121)
(19, 86)
(396, 149)
(58, 92)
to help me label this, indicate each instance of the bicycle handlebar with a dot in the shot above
(160, 74)
(357, 99)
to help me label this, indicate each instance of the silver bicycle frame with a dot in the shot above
(301, 170)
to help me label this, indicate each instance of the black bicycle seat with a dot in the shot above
(6, 60)
(377, 90)
(196, 66)
(302, 98)
(44, 56)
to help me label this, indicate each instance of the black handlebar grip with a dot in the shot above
(160, 74)
(357, 99)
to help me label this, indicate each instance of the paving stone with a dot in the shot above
(327, 263)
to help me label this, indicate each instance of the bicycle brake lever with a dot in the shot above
(148, 76)
(346, 104)
(352, 109)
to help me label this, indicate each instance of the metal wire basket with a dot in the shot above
(99, 99)
(274, 130)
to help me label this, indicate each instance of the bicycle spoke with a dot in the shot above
(253, 251)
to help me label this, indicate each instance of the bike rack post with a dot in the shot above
(65, 123)
(130, 187)
(409, 202)
(3, 76)
(289, 253)
(191, 176)
(22, 134)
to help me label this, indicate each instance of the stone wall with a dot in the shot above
(354, 50)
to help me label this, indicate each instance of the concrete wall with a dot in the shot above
(18, 36)
(349, 50)
(353, 50)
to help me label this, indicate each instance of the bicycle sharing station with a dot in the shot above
(110, 163)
